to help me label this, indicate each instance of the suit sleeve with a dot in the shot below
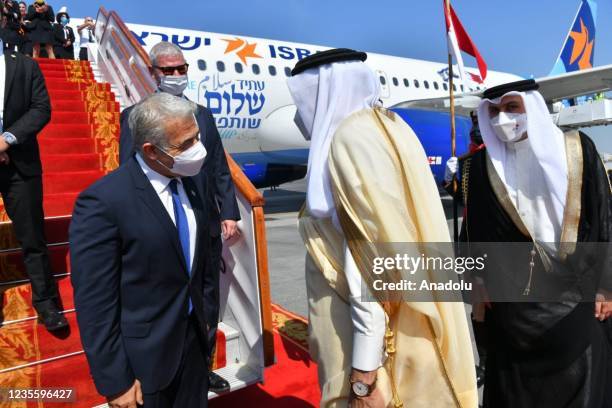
(226, 193)
(39, 112)
(96, 273)
(126, 143)
(71, 31)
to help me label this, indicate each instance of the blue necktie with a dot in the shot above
(182, 226)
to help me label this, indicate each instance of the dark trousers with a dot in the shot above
(83, 54)
(213, 301)
(23, 202)
(189, 388)
(63, 52)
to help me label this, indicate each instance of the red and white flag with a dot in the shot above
(459, 40)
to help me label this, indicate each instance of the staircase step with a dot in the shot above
(66, 75)
(76, 181)
(77, 106)
(56, 228)
(69, 118)
(12, 263)
(17, 305)
(77, 96)
(62, 145)
(70, 162)
(59, 205)
(63, 85)
(53, 131)
(39, 344)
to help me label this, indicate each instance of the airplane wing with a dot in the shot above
(552, 88)
(576, 83)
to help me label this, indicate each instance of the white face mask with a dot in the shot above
(300, 125)
(509, 127)
(188, 163)
(174, 85)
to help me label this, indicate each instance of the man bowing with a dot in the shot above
(139, 243)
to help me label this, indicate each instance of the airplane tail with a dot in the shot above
(579, 47)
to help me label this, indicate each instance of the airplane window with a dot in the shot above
(272, 70)
(445, 86)
(454, 87)
(238, 67)
(426, 84)
(395, 81)
(406, 83)
(462, 90)
(256, 69)
(416, 83)
(436, 85)
(220, 66)
(383, 80)
(287, 71)
(202, 65)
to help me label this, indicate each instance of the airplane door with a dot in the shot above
(385, 92)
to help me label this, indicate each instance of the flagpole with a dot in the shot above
(453, 134)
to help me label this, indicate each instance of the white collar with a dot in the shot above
(158, 181)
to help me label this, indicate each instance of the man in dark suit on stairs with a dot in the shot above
(170, 73)
(139, 244)
(25, 112)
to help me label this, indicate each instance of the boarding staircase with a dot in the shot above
(78, 146)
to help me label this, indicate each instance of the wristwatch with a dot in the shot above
(361, 389)
(9, 138)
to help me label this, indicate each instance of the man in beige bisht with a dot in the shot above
(369, 182)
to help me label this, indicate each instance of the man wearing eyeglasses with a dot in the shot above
(169, 70)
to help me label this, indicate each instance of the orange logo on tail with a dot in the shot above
(583, 48)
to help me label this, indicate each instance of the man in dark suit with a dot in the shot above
(139, 243)
(26, 111)
(63, 35)
(170, 73)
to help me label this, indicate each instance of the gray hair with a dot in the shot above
(148, 118)
(164, 49)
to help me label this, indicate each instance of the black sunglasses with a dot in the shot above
(182, 69)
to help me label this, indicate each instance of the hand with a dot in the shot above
(229, 229)
(374, 400)
(127, 399)
(451, 169)
(603, 306)
(68, 43)
(3, 145)
(4, 158)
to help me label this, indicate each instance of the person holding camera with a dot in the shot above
(87, 36)
(41, 18)
(10, 32)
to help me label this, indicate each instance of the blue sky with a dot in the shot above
(521, 36)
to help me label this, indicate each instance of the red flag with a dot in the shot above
(458, 36)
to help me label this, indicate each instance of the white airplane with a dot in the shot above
(243, 81)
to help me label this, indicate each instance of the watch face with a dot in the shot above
(360, 389)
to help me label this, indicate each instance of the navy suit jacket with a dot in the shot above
(131, 285)
(215, 171)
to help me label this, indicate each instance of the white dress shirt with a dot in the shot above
(526, 186)
(369, 320)
(160, 184)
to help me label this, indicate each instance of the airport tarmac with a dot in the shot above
(286, 252)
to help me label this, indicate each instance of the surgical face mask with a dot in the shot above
(174, 85)
(509, 127)
(187, 163)
(300, 125)
(64, 21)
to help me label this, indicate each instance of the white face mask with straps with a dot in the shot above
(509, 127)
(187, 163)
